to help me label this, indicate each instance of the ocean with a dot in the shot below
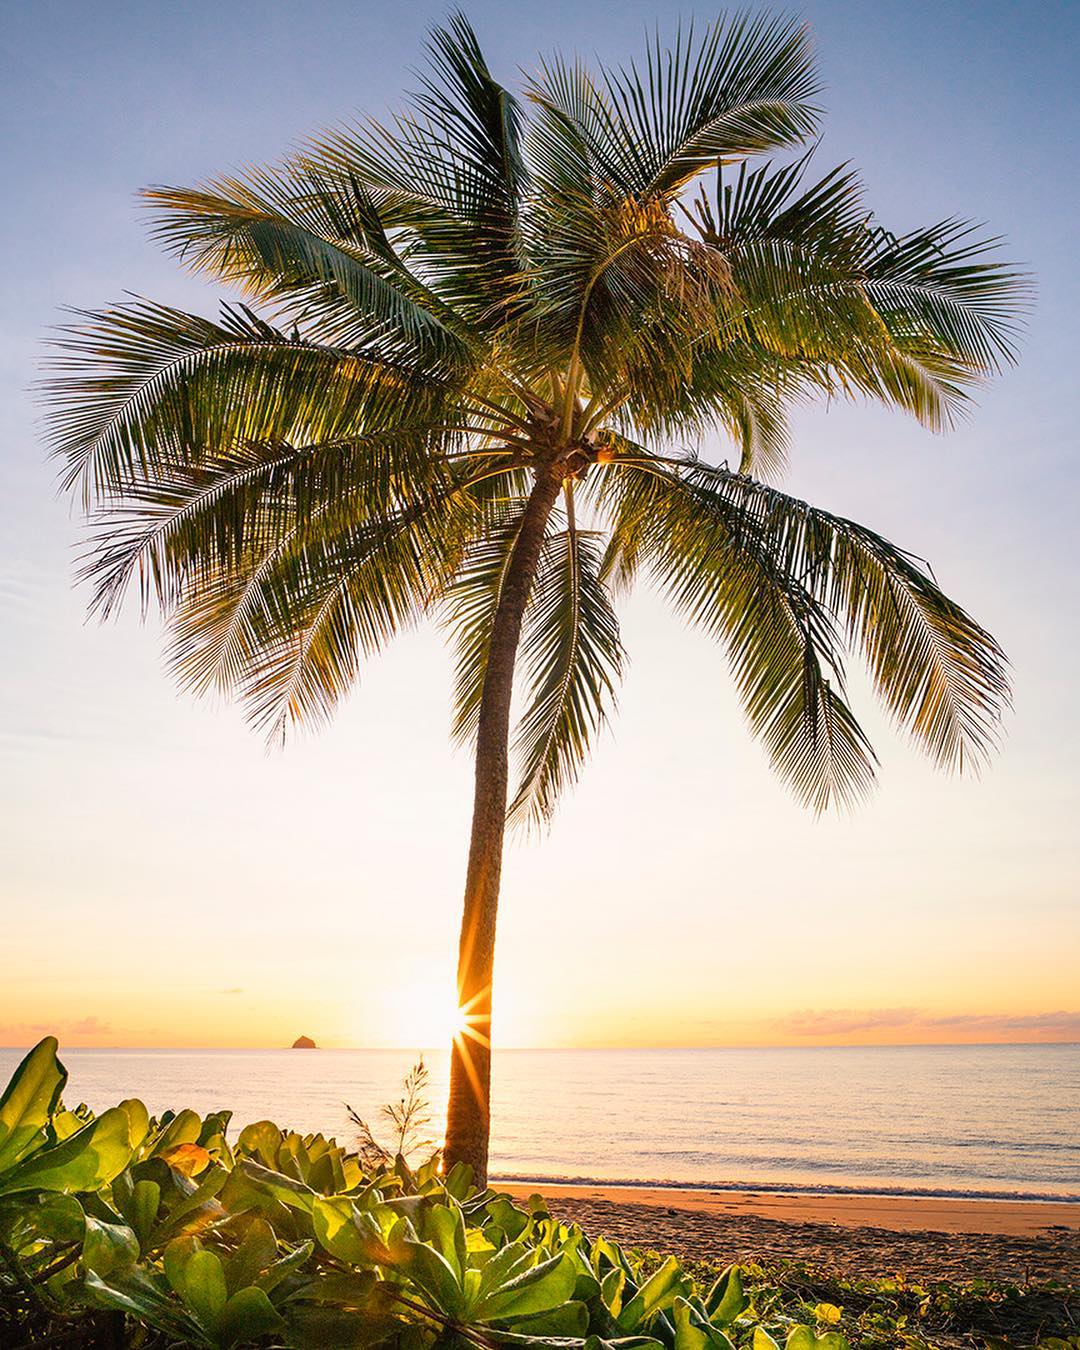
(990, 1121)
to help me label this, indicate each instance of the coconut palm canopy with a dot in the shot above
(476, 350)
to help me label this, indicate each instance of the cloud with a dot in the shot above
(841, 1021)
(818, 1022)
(23, 1033)
(236, 990)
(1067, 1024)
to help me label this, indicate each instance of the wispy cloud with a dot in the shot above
(23, 1033)
(843, 1021)
(810, 1023)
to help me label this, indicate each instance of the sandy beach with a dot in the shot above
(926, 1238)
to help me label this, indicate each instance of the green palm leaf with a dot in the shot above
(710, 557)
(573, 657)
(316, 247)
(142, 389)
(289, 626)
(741, 88)
(472, 601)
(941, 675)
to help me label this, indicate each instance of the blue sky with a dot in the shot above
(164, 880)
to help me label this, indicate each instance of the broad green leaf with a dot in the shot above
(285, 1189)
(109, 1248)
(657, 1293)
(247, 1316)
(507, 1215)
(346, 1233)
(262, 1139)
(214, 1126)
(199, 1210)
(63, 1124)
(204, 1289)
(86, 1161)
(504, 1265)
(272, 1276)
(147, 1299)
(688, 1334)
(605, 1250)
(174, 1262)
(763, 1341)
(726, 1301)
(694, 1332)
(544, 1286)
(257, 1250)
(29, 1100)
(459, 1181)
(143, 1212)
(444, 1228)
(184, 1128)
(805, 1338)
(434, 1276)
(26, 1220)
(611, 1289)
(568, 1320)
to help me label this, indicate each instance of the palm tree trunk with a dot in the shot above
(468, 1115)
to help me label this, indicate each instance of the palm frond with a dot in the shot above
(487, 292)
(944, 285)
(940, 674)
(182, 523)
(447, 175)
(743, 87)
(471, 602)
(144, 388)
(912, 321)
(573, 657)
(288, 628)
(783, 648)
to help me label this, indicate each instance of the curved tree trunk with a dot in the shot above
(468, 1115)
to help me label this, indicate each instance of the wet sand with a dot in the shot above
(925, 1239)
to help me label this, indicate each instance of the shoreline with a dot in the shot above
(898, 1213)
(792, 1188)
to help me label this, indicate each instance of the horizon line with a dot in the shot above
(550, 1049)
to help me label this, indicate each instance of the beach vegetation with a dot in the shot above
(476, 354)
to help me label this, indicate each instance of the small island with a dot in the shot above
(304, 1043)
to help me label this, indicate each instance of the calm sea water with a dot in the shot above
(984, 1120)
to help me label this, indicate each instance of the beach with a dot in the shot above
(923, 1238)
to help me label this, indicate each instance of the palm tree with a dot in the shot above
(491, 333)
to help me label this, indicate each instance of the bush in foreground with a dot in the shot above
(120, 1229)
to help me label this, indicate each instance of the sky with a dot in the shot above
(166, 881)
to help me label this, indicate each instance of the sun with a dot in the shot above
(426, 1016)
